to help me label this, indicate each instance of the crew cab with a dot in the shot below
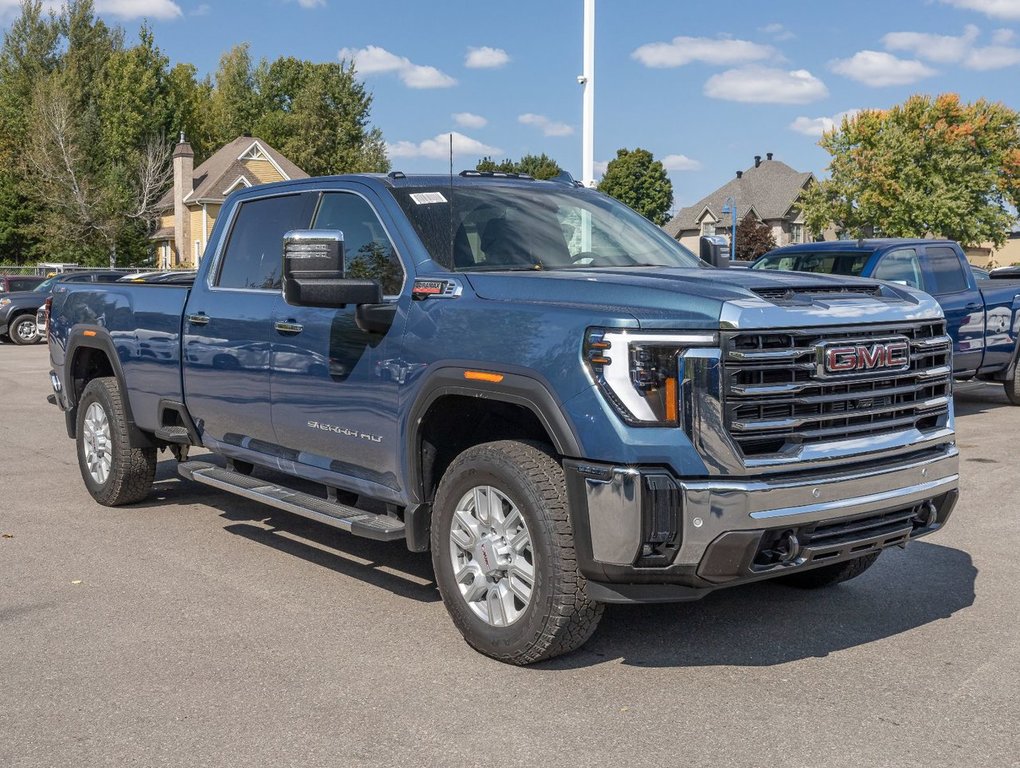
(530, 380)
(981, 315)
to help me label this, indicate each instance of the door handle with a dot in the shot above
(199, 319)
(973, 306)
(289, 327)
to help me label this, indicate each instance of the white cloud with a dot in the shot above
(547, 126)
(11, 8)
(469, 120)
(997, 9)
(134, 9)
(944, 49)
(486, 58)
(202, 10)
(766, 85)
(880, 69)
(816, 126)
(438, 148)
(312, 3)
(992, 57)
(1003, 36)
(684, 50)
(372, 60)
(680, 163)
(777, 32)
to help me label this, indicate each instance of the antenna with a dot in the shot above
(451, 265)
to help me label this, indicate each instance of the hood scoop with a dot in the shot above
(806, 294)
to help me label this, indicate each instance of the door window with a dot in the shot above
(253, 257)
(900, 267)
(368, 252)
(947, 276)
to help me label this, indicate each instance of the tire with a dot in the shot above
(1012, 387)
(525, 483)
(829, 575)
(23, 330)
(113, 471)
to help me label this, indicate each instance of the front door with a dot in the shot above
(227, 324)
(335, 386)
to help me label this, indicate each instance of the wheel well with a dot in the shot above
(454, 423)
(88, 364)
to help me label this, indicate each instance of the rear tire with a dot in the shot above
(113, 471)
(23, 330)
(521, 533)
(829, 575)
(1012, 387)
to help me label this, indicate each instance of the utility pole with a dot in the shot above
(587, 81)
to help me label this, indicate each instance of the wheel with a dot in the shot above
(113, 471)
(23, 330)
(1012, 387)
(503, 554)
(828, 575)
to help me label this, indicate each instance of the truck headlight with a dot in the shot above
(4, 302)
(640, 373)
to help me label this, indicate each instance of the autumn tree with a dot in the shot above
(637, 179)
(927, 167)
(754, 238)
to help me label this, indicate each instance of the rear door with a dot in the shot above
(335, 386)
(951, 283)
(228, 320)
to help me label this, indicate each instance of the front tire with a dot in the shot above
(829, 575)
(113, 471)
(23, 330)
(1012, 386)
(503, 554)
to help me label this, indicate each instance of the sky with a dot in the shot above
(704, 87)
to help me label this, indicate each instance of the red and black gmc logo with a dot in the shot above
(868, 357)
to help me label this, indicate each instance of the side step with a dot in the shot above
(178, 435)
(356, 521)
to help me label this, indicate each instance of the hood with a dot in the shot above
(661, 297)
(25, 298)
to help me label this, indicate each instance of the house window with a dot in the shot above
(707, 228)
(796, 233)
(198, 251)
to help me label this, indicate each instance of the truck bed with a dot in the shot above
(144, 322)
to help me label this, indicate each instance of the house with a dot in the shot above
(188, 211)
(769, 190)
(989, 257)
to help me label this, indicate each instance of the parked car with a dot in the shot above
(1005, 273)
(14, 283)
(533, 381)
(18, 310)
(979, 273)
(982, 316)
(162, 276)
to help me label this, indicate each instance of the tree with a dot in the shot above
(754, 238)
(929, 166)
(636, 179)
(536, 166)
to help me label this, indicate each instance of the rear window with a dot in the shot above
(822, 262)
(946, 271)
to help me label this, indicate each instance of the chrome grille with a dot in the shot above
(775, 401)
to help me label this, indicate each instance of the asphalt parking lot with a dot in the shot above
(200, 629)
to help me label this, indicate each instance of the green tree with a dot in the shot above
(189, 102)
(637, 179)
(536, 166)
(236, 103)
(754, 238)
(929, 166)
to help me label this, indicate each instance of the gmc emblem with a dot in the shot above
(848, 359)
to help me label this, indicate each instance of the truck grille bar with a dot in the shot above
(775, 399)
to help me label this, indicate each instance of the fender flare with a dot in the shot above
(102, 341)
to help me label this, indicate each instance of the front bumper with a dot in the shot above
(720, 532)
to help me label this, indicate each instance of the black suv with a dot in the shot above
(17, 310)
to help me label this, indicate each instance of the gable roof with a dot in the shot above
(770, 190)
(224, 169)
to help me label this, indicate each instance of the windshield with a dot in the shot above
(45, 286)
(826, 263)
(503, 227)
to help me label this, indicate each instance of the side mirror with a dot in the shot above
(715, 250)
(313, 272)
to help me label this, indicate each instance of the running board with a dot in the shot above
(368, 525)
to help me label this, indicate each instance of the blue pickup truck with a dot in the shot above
(528, 379)
(982, 316)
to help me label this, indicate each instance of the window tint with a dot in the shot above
(254, 254)
(78, 279)
(24, 284)
(368, 252)
(900, 267)
(946, 272)
(109, 277)
(823, 262)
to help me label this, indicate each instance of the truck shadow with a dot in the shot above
(380, 564)
(766, 623)
(971, 398)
